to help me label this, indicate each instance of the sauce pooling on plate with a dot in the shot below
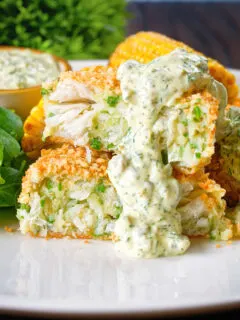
(24, 69)
(150, 225)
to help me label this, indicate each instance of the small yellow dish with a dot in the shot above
(23, 100)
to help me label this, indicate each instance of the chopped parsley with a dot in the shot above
(110, 146)
(100, 187)
(51, 114)
(198, 155)
(42, 203)
(185, 122)
(181, 151)
(112, 101)
(25, 206)
(185, 134)
(49, 184)
(95, 143)
(45, 92)
(193, 145)
(51, 219)
(60, 186)
(197, 113)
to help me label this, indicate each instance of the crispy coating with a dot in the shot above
(212, 104)
(67, 161)
(95, 78)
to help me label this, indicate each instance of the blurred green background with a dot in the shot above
(73, 29)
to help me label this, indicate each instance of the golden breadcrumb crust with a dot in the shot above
(67, 161)
(213, 105)
(202, 182)
(95, 78)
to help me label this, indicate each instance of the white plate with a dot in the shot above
(74, 277)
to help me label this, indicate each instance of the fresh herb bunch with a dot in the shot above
(73, 29)
(13, 161)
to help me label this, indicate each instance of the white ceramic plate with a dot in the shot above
(77, 278)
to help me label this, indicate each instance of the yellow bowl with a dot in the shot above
(23, 100)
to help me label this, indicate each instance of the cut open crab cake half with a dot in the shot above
(67, 193)
(85, 107)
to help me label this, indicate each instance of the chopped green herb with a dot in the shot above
(181, 151)
(197, 112)
(42, 202)
(44, 92)
(51, 219)
(230, 171)
(185, 134)
(100, 187)
(95, 143)
(193, 145)
(164, 154)
(198, 155)
(25, 206)
(110, 146)
(51, 114)
(112, 101)
(60, 186)
(49, 184)
(118, 211)
(185, 122)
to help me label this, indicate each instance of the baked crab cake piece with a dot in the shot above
(66, 192)
(202, 207)
(85, 107)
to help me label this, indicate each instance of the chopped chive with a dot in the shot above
(112, 101)
(51, 114)
(197, 112)
(60, 186)
(185, 134)
(95, 143)
(198, 155)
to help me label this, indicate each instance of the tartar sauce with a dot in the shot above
(23, 69)
(150, 225)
